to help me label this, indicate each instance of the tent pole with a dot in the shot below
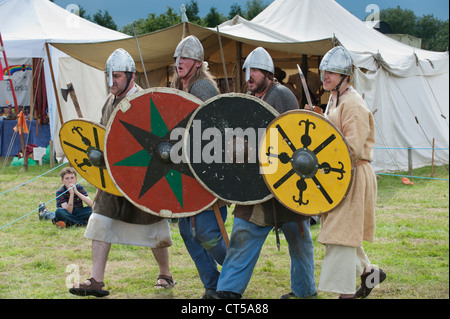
(186, 31)
(239, 67)
(54, 83)
(2, 48)
(223, 61)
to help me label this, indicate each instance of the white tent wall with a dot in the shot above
(393, 101)
(406, 88)
(91, 91)
(29, 26)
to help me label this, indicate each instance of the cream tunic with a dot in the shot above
(354, 219)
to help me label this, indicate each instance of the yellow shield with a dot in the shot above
(306, 162)
(83, 143)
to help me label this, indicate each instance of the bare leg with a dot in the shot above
(162, 258)
(93, 286)
(100, 251)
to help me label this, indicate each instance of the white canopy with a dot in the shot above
(27, 25)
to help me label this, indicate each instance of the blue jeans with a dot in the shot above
(205, 244)
(245, 246)
(78, 217)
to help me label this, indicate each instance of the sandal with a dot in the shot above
(168, 279)
(94, 288)
(377, 276)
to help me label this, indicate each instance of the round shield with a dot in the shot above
(306, 162)
(222, 140)
(143, 132)
(82, 142)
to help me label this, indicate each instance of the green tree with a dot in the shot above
(213, 18)
(253, 8)
(432, 31)
(235, 10)
(440, 40)
(192, 12)
(402, 21)
(105, 20)
(153, 22)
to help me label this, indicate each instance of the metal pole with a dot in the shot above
(223, 61)
(16, 105)
(142, 61)
(410, 165)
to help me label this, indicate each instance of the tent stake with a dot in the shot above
(432, 159)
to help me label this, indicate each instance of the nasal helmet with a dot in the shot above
(337, 60)
(191, 48)
(119, 60)
(258, 59)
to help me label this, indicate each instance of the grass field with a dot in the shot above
(37, 258)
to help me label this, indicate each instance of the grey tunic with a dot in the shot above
(203, 89)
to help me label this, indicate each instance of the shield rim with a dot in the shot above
(352, 170)
(185, 141)
(124, 106)
(118, 193)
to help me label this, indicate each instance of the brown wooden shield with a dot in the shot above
(140, 136)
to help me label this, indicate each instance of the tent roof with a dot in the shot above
(156, 48)
(309, 21)
(27, 24)
(294, 27)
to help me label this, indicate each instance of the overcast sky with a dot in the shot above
(125, 12)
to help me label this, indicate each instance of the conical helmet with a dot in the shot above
(191, 48)
(337, 60)
(119, 60)
(258, 59)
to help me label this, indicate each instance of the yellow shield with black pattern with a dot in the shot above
(306, 162)
(83, 143)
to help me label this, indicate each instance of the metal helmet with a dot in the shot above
(119, 60)
(337, 60)
(191, 48)
(258, 59)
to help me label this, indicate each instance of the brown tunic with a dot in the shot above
(117, 207)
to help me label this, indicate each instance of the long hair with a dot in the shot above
(201, 73)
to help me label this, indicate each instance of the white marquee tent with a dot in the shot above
(406, 88)
(27, 26)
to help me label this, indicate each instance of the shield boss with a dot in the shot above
(306, 162)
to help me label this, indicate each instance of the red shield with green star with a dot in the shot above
(142, 133)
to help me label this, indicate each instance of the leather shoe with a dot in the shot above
(369, 281)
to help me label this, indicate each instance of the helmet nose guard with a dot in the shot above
(337, 60)
(258, 59)
(191, 48)
(119, 60)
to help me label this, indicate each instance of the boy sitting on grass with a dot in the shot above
(69, 204)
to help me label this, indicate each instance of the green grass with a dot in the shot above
(37, 258)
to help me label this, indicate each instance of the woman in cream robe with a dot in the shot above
(344, 229)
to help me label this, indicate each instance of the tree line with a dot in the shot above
(433, 31)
